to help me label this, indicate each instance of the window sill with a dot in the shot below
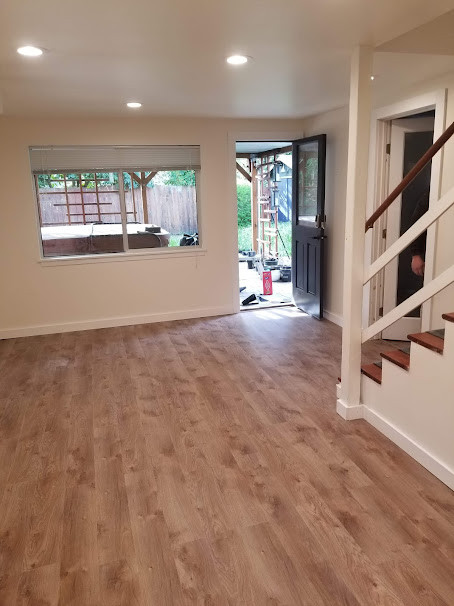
(183, 251)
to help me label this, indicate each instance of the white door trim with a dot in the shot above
(378, 175)
(233, 137)
(408, 324)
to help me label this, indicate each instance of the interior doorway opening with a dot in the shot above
(264, 198)
(410, 137)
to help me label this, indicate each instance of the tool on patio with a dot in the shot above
(251, 300)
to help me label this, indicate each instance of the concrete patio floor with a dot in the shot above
(252, 281)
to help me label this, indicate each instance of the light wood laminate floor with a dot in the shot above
(202, 462)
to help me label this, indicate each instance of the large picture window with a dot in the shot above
(100, 200)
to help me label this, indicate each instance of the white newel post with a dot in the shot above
(348, 404)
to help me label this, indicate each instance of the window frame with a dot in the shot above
(127, 254)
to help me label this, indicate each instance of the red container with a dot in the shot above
(267, 283)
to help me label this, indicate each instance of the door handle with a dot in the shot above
(319, 237)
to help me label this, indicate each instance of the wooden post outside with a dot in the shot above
(81, 198)
(254, 206)
(97, 198)
(143, 186)
(133, 195)
(38, 196)
(349, 404)
(68, 208)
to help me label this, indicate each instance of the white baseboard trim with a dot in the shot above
(334, 318)
(439, 469)
(349, 413)
(48, 329)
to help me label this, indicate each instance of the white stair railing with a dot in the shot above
(429, 290)
(424, 294)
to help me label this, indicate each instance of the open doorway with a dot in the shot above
(411, 137)
(264, 197)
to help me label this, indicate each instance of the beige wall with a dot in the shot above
(335, 125)
(38, 298)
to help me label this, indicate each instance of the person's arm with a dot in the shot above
(418, 265)
(418, 246)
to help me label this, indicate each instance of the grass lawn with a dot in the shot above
(285, 229)
(175, 239)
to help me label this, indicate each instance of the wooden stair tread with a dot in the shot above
(438, 332)
(397, 356)
(433, 340)
(372, 371)
(427, 340)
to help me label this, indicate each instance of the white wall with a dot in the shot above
(36, 298)
(335, 125)
(444, 254)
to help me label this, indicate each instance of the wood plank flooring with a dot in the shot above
(201, 462)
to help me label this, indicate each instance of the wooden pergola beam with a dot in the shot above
(137, 179)
(243, 171)
(274, 152)
(150, 177)
(270, 152)
(143, 180)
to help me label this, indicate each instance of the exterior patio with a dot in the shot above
(252, 281)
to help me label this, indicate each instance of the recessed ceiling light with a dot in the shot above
(30, 51)
(237, 60)
(134, 104)
(372, 77)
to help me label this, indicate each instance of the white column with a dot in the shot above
(348, 404)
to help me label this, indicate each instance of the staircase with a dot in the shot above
(409, 396)
(432, 339)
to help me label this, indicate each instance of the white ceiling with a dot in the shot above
(170, 55)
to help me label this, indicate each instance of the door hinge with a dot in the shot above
(388, 148)
(380, 312)
(384, 233)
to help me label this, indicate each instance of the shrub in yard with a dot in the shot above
(244, 205)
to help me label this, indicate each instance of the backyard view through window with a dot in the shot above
(103, 211)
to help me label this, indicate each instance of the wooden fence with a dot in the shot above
(173, 207)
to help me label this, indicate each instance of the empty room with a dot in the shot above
(227, 303)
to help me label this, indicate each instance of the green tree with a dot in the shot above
(180, 177)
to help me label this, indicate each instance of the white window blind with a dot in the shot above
(90, 158)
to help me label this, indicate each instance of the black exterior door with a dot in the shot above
(308, 210)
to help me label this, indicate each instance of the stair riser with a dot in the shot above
(419, 403)
(449, 340)
(422, 408)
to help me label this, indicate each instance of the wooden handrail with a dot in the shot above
(425, 159)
